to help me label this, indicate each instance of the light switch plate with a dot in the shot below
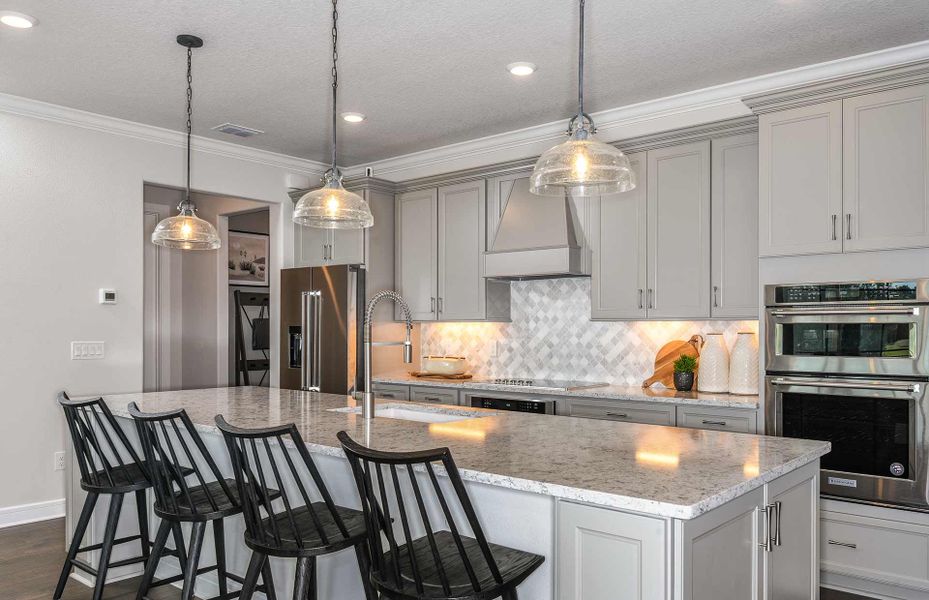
(87, 350)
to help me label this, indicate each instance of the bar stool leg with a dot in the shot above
(364, 565)
(141, 507)
(151, 565)
(268, 580)
(82, 522)
(193, 559)
(179, 545)
(219, 542)
(109, 535)
(256, 566)
(511, 595)
(305, 579)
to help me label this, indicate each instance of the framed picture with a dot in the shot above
(248, 258)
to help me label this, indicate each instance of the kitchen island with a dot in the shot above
(663, 512)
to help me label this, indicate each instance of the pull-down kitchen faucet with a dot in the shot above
(367, 399)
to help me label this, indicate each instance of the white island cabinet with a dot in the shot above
(617, 510)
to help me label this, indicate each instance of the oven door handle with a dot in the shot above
(913, 388)
(811, 312)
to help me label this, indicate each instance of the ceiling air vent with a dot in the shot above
(237, 130)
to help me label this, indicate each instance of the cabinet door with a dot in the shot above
(416, 262)
(606, 554)
(800, 180)
(792, 565)
(734, 216)
(461, 238)
(678, 193)
(311, 246)
(347, 246)
(617, 236)
(886, 169)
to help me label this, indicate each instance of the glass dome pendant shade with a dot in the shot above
(186, 231)
(581, 166)
(333, 207)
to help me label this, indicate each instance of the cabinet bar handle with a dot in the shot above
(835, 235)
(766, 544)
(325, 251)
(432, 399)
(715, 296)
(620, 415)
(843, 544)
(651, 299)
(432, 304)
(641, 292)
(385, 394)
(848, 226)
(708, 422)
(441, 304)
(777, 523)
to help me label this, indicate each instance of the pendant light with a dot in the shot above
(187, 231)
(581, 166)
(332, 206)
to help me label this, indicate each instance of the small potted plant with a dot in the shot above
(684, 368)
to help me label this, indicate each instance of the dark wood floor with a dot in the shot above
(30, 561)
(31, 557)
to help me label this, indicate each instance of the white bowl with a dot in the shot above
(445, 365)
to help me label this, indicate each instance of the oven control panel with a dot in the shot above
(829, 293)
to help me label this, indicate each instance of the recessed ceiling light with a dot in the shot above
(17, 20)
(353, 117)
(521, 69)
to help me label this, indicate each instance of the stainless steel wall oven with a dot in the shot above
(848, 363)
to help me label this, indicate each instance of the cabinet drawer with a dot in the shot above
(741, 421)
(435, 395)
(881, 550)
(391, 391)
(631, 412)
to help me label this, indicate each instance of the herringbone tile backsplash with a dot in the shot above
(551, 336)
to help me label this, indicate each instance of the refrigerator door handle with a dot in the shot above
(316, 319)
(304, 346)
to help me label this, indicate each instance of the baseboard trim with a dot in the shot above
(31, 513)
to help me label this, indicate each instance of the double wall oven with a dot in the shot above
(849, 363)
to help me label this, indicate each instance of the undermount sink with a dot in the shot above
(419, 414)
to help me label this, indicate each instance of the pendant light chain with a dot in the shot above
(190, 97)
(335, 80)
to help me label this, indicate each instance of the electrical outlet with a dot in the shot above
(87, 350)
(59, 461)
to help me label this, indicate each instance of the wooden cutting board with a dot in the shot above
(425, 375)
(664, 360)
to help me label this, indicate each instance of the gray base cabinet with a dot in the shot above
(743, 550)
(433, 394)
(652, 413)
(738, 420)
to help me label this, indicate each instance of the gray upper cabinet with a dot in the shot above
(734, 214)
(886, 169)
(617, 234)
(678, 192)
(462, 239)
(800, 180)
(416, 268)
(311, 246)
(346, 246)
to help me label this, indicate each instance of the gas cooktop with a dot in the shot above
(547, 384)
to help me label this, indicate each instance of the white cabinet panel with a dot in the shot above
(347, 246)
(886, 169)
(720, 419)
(617, 236)
(734, 211)
(311, 245)
(417, 248)
(462, 218)
(792, 565)
(800, 180)
(678, 192)
(605, 554)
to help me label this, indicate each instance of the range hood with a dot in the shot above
(536, 237)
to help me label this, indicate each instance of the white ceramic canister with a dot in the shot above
(743, 365)
(713, 372)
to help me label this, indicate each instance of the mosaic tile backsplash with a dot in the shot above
(551, 336)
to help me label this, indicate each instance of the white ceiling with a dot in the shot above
(426, 72)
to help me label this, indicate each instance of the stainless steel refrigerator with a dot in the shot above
(322, 310)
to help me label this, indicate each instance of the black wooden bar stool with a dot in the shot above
(440, 564)
(109, 465)
(173, 446)
(302, 529)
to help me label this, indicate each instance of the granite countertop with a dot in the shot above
(609, 392)
(665, 471)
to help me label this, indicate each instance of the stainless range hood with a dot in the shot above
(536, 237)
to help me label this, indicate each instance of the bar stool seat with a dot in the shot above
(515, 566)
(312, 528)
(132, 478)
(198, 502)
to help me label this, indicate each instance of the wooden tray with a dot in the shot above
(424, 375)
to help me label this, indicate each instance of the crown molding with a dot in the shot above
(55, 113)
(706, 105)
(866, 82)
